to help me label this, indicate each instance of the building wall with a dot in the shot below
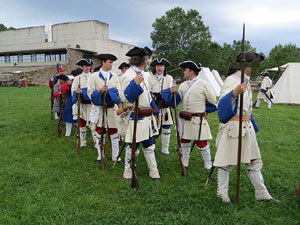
(22, 39)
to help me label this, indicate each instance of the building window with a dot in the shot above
(33, 57)
(26, 58)
(13, 59)
(2, 59)
(40, 57)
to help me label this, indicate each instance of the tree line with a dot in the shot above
(179, 35)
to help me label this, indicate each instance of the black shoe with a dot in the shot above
(120, 162)
(156, 179)
(186, 167)
(82, 147)
(271, 200)
(128, 179)
(97, 161)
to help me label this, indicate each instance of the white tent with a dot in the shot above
(207, 76)
(286, 89)
(283, 67)
(217, 77)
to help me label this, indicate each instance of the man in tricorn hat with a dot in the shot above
(159, 81)
(134, 86)
(100, 82)
(123, 67)
(80, 86)
(265, 90)
(198, 98)
(227, 138)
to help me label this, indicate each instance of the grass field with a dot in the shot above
(44, 182)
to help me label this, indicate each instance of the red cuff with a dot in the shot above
(57, 93)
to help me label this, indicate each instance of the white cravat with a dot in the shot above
(86, 74)
(106, 75)
(159, 76)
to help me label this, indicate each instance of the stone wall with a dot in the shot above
(43, 76)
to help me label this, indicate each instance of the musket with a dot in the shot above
(161, 114)
(134, 180)
(240, 122)
(63, 99)
(102, 147)
(199, 134)
(52, 100)
(78, 120)
(209, 176)
(268, 97)
(172, 71)
(179, 148)
(120, 153)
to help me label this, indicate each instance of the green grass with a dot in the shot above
(42, 181)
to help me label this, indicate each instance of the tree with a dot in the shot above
(180, 35)
(3, 28)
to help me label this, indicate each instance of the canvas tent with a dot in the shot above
(287, 88)
(207, 76)
(217, 77)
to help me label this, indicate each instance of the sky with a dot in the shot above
(268, 22)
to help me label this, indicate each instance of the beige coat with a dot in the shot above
(265, 84)
(84, 108)
(194, 102)
(94, 83)
(227, 138)
(155, 86)
(147, 126)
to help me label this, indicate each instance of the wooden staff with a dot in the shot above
(134, 180)
(78, 120)
(240, 122)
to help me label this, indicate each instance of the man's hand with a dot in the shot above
(173, 89)
(139, 79)
(103, 89)
(240, 89)
(69, 82)
(78, 91)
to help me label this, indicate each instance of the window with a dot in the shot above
(57, 57)
(13, 59)
(2, 59)
(63, 57)
(40, 57)
(33, 57)
(26, 58)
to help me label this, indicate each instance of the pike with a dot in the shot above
(78, 120)
(134, 180)
(240, 122)
(179, 148)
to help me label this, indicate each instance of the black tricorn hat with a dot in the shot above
(84, 62)
(76, 72)
(250, 57)
(136, 51)
(191, 65)
(97, 69)
(265, 74)
(161, 61)
(107, 56)
(62, 77)
(124, 64)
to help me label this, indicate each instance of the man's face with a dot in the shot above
(124, 69)
(107, 65)
(86, 69)
(188, 74)
(248, 71)
(160, 69)
(146, 62)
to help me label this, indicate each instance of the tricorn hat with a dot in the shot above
(84, 62)
(161, 61)
(136, 51)
(107, 56)
(124, 64)
(76, 72)
(62, 77)
(191, 65)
